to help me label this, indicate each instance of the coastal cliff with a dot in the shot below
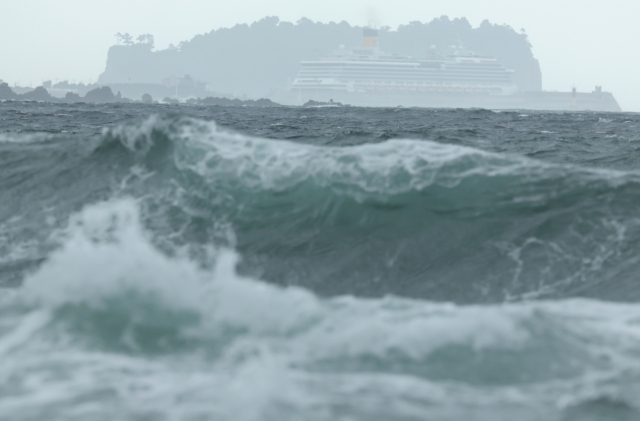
(257, 59)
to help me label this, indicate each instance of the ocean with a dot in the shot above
(184, 262)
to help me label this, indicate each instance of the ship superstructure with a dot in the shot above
(370, 70)
(456, 78)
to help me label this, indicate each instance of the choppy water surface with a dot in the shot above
(211, 263)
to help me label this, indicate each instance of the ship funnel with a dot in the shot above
(370, 38)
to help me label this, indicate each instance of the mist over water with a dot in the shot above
(329, 263)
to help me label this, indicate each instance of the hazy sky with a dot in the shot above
(579, 42)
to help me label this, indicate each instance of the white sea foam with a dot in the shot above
(107, 254)
(24, 137)
(265, 352)
(388, 168)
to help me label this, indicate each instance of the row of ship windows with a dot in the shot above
(414, 83)
(404, 89)
(397, 72)
(370, 79)
(402, 69)
(410, 80)
(336, 85)
(391, 65)
(383, 87)
(389, 75)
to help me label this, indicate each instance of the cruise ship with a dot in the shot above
(457, 78)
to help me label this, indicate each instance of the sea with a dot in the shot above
(182, 262)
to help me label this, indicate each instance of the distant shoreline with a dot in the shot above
(104, 95)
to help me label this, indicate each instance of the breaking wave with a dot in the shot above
(411, 218)
(112, 327)
(167, 269)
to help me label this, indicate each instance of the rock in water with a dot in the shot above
(262, 102)
(103, 94)
(72, 97)
(312, 103)
(6, 92)
(38, 94)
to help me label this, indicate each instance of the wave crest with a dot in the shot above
(407, 217)
(119, 315)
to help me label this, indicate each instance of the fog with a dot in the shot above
(577, 43)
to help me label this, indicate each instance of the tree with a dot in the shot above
(261, 57)
(146, 39)
(127, 39)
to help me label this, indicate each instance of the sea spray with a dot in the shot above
(412, 264)
(133, 332)
(407, 217)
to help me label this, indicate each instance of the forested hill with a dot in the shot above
(259, 58)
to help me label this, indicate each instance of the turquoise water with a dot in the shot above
(165, 268)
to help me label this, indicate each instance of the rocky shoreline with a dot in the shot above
(104, 95)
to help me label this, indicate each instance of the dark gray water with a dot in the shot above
(174, 262)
